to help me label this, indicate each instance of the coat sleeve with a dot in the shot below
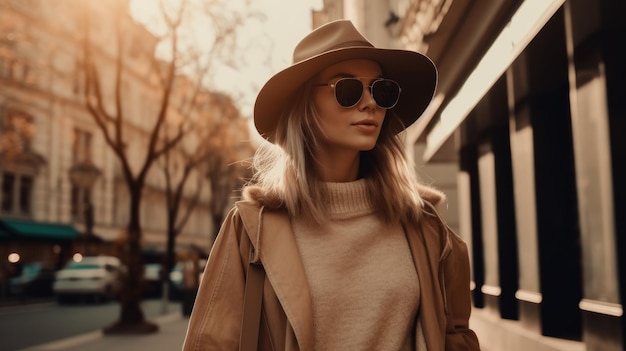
(456, 276)
(215, 320)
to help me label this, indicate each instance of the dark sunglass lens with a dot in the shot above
(348, 91)
(386, 93)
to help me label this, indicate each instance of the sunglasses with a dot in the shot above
(349, 91)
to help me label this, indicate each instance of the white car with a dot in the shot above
(92, 276)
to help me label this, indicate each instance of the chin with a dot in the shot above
(367, 147)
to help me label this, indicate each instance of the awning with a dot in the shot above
(15, 228)
(529, 18)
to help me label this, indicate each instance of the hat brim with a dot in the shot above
(415, 73)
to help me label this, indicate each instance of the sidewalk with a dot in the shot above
(172, 328)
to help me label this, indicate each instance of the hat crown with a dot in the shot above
(331, 36)
(336, 42)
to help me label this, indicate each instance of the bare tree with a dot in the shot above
(178, 167)
(163, 135)
(220, 136)
(227, 167)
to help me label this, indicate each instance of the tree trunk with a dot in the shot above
(170, 254)
(132, 319)
(168, 262)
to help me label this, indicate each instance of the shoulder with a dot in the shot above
(428, 216)
(450, 241)
(432, 224)
(431, 195)
(257, 196)
(243, 217)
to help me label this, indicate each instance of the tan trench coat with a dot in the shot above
(440, 258)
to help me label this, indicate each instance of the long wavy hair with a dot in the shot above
(285, 174)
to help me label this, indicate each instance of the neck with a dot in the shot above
(338, 166)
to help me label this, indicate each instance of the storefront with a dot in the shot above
(537, 130)
(25, 241)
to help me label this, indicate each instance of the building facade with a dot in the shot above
(60, 180)
(526, 134)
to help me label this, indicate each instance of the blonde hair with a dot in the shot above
(285, 173)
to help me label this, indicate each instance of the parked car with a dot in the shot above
(97, 277)
(177, 276)
(35, 280)
(153, 286)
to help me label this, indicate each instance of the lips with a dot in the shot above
(368, 123)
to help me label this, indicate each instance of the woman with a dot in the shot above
(355, 255)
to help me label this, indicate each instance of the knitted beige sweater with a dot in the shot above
(363, 282)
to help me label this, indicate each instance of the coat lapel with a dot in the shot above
(283, 266)
(424, 244)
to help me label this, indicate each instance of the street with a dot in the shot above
(28, 325)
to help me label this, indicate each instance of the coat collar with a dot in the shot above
(282, 263)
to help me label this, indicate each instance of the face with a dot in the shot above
(354, 128)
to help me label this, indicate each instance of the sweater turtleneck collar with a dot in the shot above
(348, 199)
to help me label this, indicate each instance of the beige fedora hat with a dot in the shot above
(339, 41)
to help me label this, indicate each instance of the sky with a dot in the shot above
(285, 23)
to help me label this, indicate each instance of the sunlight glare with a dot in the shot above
(268, 43)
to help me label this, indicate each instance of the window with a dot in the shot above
(18, 162)
(81, 146)
(82, 154)
(8, 183)
(16, 196)
(80, 202)
(25, 191)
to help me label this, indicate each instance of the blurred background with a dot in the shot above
(125, 130)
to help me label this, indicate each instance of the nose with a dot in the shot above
(367, 100)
